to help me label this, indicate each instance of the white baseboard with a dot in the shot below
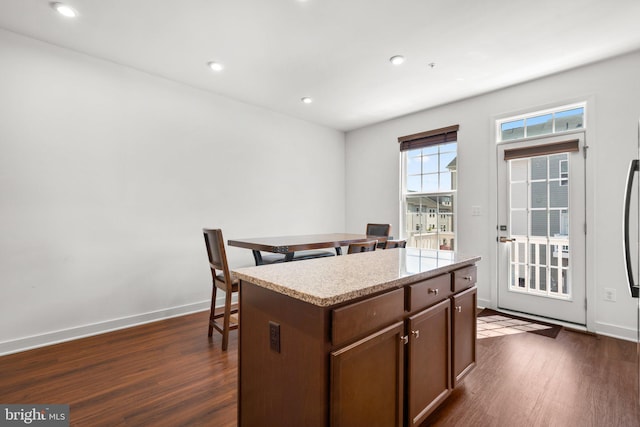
(49, 338)
(616, 331)
(483, 303)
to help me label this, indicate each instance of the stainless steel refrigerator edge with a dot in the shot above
(631, 240)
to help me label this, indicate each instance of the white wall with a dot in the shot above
(108, 175)
(612, 90)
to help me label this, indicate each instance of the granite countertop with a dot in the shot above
(329, 281)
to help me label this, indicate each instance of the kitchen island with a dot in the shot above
(376, 338)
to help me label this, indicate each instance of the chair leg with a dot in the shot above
(227, 321)
(213, 309)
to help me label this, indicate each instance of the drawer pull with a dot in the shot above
(404, 339)
(459, 308)
(469, 278)
(416, 333)
(432, 291)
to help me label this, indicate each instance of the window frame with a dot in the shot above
(539, 113)
(427, 211)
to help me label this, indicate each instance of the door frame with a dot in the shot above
(591, 149)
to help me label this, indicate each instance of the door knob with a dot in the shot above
(504, 239)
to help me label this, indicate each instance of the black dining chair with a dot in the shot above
(367, 246)
(390, 244)
(222, 279)
(379, 230)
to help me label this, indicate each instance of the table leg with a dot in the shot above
(288, 256)
(257, 256)
(338, 250)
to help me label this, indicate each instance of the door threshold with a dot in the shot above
(568, 325)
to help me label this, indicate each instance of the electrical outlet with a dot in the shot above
(475, 211)
(609, 294)
(274, 336)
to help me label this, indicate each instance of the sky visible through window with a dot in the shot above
(542, 123)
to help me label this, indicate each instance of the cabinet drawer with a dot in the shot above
(358, 319)
(428, 292)
(464, 278)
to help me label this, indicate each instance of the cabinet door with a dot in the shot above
(429, 361)
(464, 334)
(366, 384)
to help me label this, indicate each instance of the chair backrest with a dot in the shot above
(378, 230)
(390, 244)
(367, 246)
(217, 255)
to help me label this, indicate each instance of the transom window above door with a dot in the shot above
(562, 119)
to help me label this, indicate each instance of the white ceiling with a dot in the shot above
(337, 51)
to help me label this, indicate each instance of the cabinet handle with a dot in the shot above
(432, 291)
(469, 278)
(404, 339)
(416, 333)
(459, 308)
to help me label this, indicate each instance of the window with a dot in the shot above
(564, 172)
(562, 119)
(539, 219)
(429, 184)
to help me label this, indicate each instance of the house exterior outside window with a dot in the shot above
(429, 187)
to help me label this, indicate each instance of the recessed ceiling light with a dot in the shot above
(306, 100)
(397, 59)
(64, 10)
(215, 66)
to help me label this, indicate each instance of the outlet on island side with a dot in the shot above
(274, 336)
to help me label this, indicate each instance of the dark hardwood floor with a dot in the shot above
(169, 374)
(165, 373)
(526, 379)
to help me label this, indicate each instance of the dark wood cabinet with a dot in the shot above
(464, 278)
(428, 292)
(429, 361)
(386, 359)
(366, 384)
(354, 321)
(464, 333)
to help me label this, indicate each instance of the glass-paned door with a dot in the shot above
(541, 252)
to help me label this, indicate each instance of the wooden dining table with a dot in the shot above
(289, 245)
